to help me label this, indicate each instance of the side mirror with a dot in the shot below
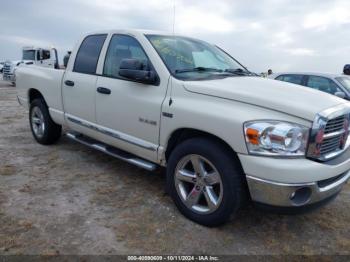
(137, 70)
(340, 94)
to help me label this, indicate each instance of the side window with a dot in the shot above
(295, 79)
(322, 84)
(46, 54)
(88, 54)
(122, 47)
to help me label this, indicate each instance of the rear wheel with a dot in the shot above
(205, 181)
(44, 130)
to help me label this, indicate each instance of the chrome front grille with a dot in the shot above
(329, 134)
(7, 69)
(333, 135)
(330, 145)
(335, 124)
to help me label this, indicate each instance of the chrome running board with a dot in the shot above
(112, 151)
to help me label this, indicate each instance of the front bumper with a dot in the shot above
(285, 195)
(8, 77)
(294, 182)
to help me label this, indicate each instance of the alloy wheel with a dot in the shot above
(199, 184)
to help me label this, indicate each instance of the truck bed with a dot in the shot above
(47, 80)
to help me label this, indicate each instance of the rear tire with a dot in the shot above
(218, 193)
(44, 130)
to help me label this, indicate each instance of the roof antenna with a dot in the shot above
(171, 84)
(174, 13)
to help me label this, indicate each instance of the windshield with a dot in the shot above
(188, 58)
(344, 81)
(28, 55)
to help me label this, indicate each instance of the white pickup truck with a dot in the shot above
(223, 134)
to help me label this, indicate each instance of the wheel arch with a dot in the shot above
(182, 134)
(34, 94)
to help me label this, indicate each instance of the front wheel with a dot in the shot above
(44, 130)
(205, 181)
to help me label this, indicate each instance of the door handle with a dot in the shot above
(69, 83)
(104, 90)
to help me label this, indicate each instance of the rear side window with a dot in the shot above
(345, 81)
(322, 84)
(88, 54)
(46, 54)
(295, 79)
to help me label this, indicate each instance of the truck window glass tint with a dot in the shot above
(88, 54)
(122, 47)
(322, 84)
(295, 79)
(28, 55)
(46, 54)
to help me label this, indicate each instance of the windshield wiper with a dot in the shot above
(239, 71)
(198, 69)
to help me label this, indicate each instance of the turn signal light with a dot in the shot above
(253, 136)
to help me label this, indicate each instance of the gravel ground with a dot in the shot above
(69, 199)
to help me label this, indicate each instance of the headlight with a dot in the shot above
(276, 138)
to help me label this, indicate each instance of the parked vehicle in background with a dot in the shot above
(224, 135)
(66, 59)
(333, 84)
(1, 66)
(44, 57)
(8, 72)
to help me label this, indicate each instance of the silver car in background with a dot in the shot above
(335, 84)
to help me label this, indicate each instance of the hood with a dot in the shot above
(13, 63)
(289, 98)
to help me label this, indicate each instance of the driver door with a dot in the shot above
(129, 112)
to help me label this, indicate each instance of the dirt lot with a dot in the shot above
(68, 199)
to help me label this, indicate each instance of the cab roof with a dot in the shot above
(132, 32)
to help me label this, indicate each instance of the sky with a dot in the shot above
(284, 35)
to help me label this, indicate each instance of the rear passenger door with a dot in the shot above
(79, 83)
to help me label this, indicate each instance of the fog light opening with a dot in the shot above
(301, 196)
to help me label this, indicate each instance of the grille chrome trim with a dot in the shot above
(334, 134)
(327, 134)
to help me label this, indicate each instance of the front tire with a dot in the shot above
(206, 181)
(44, 130)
